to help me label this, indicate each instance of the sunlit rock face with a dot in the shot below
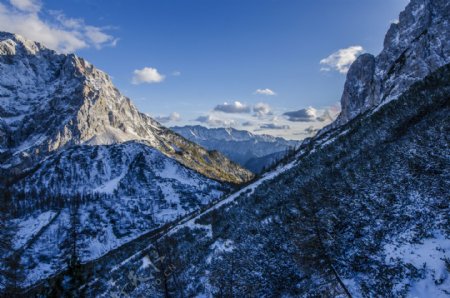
(414, 47)
(51, 101)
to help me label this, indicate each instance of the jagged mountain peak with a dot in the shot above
(52, 101)
(414, 47)
(12, 44)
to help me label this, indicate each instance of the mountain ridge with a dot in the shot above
(253, 151)
(52, 101)
(82, 171)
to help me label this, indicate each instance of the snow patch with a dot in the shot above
(110, 186)
(223, 245)
(30, 227)
(146, 262)
(430, 255)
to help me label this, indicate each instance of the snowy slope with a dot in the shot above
(362, 208)
(119, 192)
(82, 171)
(110, 169)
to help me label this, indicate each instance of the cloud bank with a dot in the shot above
(56, 31)
(235, 107)
(341, 59)
(171, 118)
(266, 91)
(216, 121)
(302, 115)
(262, 109)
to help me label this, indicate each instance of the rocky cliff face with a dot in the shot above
(51, 101)
(358, 88)
(413, 48)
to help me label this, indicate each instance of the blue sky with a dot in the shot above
(188, 58)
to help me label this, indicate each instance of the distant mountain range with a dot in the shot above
(254, 152)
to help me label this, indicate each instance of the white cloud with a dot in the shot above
(147, 75)
(56, 31)
(26, 5)
(266, 91)
(262, 109)
(235, 107)
(295, 125)
(302, 115)
(214, 120)
(342, 59)
(176, 73)
(173, 117)
(70, 23)
(98, 38)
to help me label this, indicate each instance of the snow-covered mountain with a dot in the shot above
(253, 152)
(51, 101)
(414, 47)
(362, 210)
(83, 172)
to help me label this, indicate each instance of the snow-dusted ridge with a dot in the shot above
(52, 101)
(362, 208)
(248, 190)
(93, 255)
(254, 152)
(190, 220)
